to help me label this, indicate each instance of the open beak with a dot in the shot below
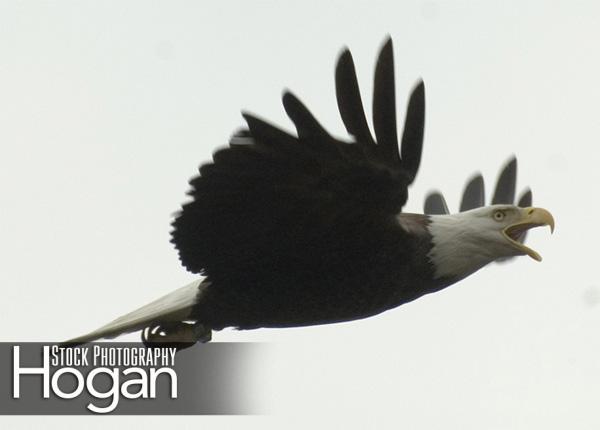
(530, 218)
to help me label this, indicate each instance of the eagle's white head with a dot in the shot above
(465, 242)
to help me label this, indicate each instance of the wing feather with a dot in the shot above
(505, 187)
(474, 194)
(384, 103)
(306, 124)
(414, 127)
(349, 101)
(526, 199)
(435, 204)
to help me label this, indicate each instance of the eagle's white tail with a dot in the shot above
(172, 308)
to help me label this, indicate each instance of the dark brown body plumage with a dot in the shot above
(358, 276)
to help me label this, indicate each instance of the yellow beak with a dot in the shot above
(530, 218)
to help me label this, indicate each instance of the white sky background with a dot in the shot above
(107, 109)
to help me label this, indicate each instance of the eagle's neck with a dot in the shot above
(457, 249)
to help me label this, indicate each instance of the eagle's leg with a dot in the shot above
(178, 335)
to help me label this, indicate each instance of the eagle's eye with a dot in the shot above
(499, 215)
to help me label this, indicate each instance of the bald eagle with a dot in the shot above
(301, 229)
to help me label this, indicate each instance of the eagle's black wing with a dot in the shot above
(272, 197)
(474, 193)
